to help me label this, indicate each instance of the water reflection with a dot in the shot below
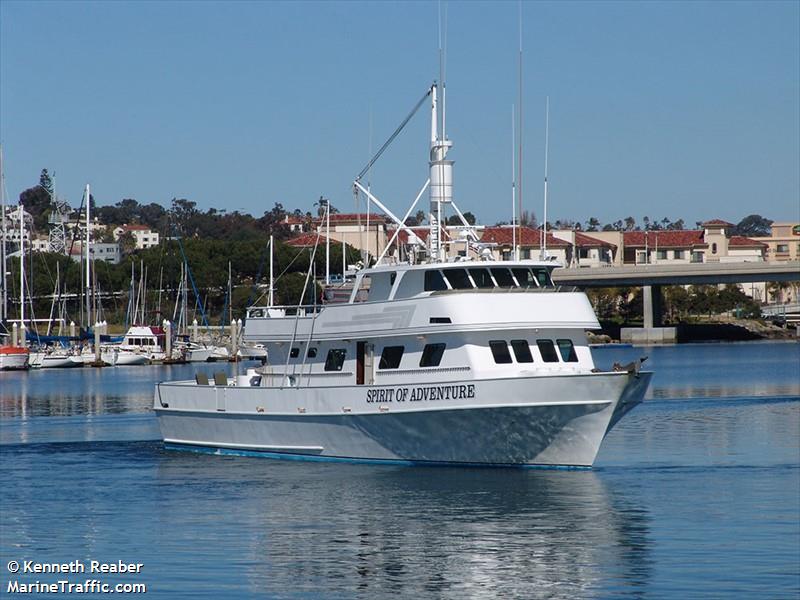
(448, 532)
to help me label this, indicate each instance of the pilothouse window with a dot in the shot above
(503, 277)
(482, 278)
(525, 277)
(458, 279)
(434, 281)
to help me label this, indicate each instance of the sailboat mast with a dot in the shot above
(271, 282)
(21, 266)
(88, 289)
(520, 130)
(546, 152)
(4, 290)
(513, 189)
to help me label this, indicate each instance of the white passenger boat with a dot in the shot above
(465, 362)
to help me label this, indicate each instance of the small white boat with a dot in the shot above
(13, 358)
(250, 351)
(58, 358)
(197, 352)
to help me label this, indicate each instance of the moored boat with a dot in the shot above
(14, 358)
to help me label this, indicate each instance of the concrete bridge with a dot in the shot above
(652, 277)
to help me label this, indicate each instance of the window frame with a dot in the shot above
(431, 352)
(335, 359)
(572, 356)
(522, 355)
(550, 355)
(500, 352)
(384, 363)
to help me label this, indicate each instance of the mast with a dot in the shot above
(441, 178)
(21, 266)
(271, 282)
(513, 189)
(4, 290)
(88, 290)
(519, 154)
(546, 152)
(328, 241)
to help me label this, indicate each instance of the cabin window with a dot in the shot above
(295, 352)
(434, 281)
(525, 277)
(543, 277)
(335, 359)
(503, 277)
(567, 350)
(500, 352)
(391, 357)
(362, 294)
(458, 279)
(548, 350)
(522, 351)
(312, 353)
(431, 355)
(482, 278)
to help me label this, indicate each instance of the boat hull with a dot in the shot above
(41, 360)
(12, 359)
(505, 423)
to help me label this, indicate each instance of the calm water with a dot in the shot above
(695, 494)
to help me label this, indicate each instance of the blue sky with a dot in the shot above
(668, 109)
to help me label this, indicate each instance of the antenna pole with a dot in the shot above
(513, 189)
(546, 152)
(3, 292)
(271, 281)
(88, 290)
(519, 158)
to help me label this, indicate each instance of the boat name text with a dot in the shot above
(421, 393)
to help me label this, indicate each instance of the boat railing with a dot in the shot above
(281, 312)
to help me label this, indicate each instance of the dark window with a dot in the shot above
(714, 248)
(335, 359)
(567, 351)
(482, 278)
(294, 353)
(525, 277)
(312, 353)
(431, 355)
(458, 279)
(522, 351)
(440, 320)
(390, 357)
(500, 352)
(434, 281)
(543, 277)
(392, 277)
(548, 350)
(503, 277)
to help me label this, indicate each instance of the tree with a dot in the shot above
(127, 243)
(417, 218)
(630, 224)
(468, 217)
(46, 182)
(593, 224)
(753, 226)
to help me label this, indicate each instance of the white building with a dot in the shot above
(144, 236)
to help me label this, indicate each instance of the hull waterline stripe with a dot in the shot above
(189, 447)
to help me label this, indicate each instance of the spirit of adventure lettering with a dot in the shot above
(421, 393)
